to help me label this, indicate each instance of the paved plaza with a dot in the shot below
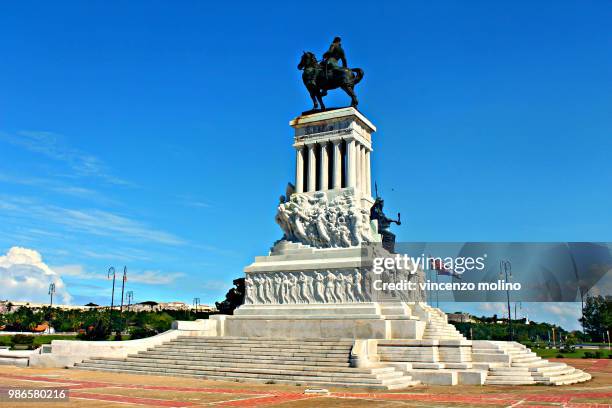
(100, 389)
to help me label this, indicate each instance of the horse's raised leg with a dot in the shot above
(349, 91)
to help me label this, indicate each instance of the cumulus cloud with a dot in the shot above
(25, 277)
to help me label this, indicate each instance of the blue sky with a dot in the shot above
(155, 134)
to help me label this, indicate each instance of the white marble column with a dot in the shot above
(368, 173)
(312, 167)
(351, 173)
(362, 162)
(357, 165)
(299, 170)
(337, 176)
(324, 167)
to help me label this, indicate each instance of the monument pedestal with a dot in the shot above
(314, 282)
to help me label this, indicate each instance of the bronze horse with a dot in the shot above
(319, 79)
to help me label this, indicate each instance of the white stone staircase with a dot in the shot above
(511, 363)
(316, 362)
(437, 327)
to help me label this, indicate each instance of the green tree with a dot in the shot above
(233, 298)
(597, 319)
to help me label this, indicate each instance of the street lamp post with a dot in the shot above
(196, 302)
(122, 288)
(129, 296)
(51, 292)
(111, 270)
(505, 271)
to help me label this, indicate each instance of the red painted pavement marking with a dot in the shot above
(601, 364)
(563, 398)
(99, 384)
(520, 404)
(271, 397)
(262, 397)
(150, 402)
(271, 400)
(69, 383)
(449, 398)
(586, 405)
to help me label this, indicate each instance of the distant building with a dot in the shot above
(461, 318)
(151, 306)
(7, 306)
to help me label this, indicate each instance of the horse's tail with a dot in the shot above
(358, 75)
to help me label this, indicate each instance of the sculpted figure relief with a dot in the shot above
(330, 297)
(305, 288)
(319, 288)
(326, 286)
(320, 223)
(335, 286)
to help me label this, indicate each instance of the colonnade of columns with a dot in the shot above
(333, 164)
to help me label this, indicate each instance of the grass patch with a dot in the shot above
(46, 339)
(579, 353)
(37, 341)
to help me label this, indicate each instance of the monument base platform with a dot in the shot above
(301, 323)
(367, 320)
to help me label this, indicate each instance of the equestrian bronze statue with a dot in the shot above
(320, 77)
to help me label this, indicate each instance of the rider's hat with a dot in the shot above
(337, 39)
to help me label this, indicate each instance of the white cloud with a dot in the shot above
(93, 221)
(565, 314)
(493, 308)
(154, 277)
(149, 277)
(55, 186)
(25, 277)
(216, 285)
(50, 145)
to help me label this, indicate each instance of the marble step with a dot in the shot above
(528, 359)
(549, 367)
(246, 359)
(531, 364)
(509, 381)
(260, 345)
(262, 340)
(441, 330)
(507, 374)
(262, 352)
(235, 357)
(553, 373)
(567, 379)
(518, 369)
(272, 343)
(202, 369)
(400, 383)
(255, 363)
